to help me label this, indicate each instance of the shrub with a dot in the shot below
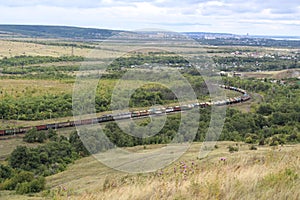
(262, 141)
(5, 172)
(252, 147)
(22, 177)
(233, 149)
(33, 186)
(34, 136)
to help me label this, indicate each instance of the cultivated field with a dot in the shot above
(288, 73)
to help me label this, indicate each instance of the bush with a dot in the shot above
(34, 186)
(276, 140)
(34, 136)
(261, 141)
(252, 147)
(22, 177)
(5, 172)
(249, 140)
(52, 135)
(233, 149)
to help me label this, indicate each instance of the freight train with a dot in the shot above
(135, 114)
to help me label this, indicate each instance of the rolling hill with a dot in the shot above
(64, 32)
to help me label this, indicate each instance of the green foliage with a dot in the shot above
(253, 147)
(67, 32)
(47, 159)
(28, 60)
(35, 185)
(52, 135)
(21, 177)
(32, 164)
(152, 57)
(24, 182)
(36, 107)
(78, 145)
(265, 109)
(261, 141)
(232, 149)
(5, 172)
(34, 136)
(249, 64)
(286, 176)
(276, 140)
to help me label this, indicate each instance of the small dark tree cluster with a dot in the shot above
(22, 181)
(34, 136)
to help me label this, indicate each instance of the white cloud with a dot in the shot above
(234, 16)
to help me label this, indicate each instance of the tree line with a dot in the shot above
(27, 167)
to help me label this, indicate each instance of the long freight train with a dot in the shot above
(135, 114)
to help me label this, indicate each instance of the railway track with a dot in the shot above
(135, 114)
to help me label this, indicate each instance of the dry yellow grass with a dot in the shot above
(18, 48)
(244, 175)
(268, 173)
(287, 73)
(18, 87)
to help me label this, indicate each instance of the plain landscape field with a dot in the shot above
(256, 156)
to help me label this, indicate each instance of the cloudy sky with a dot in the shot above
(256, 17)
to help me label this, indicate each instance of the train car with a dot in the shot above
(63, 124)
(187, 107)
(72, 123)
(52, 126)
(241, 90)
(135, 114)
(169, 109)
(238, 99)
(216, 103)
(208, 103)
(94, 120)
(245, 97)
(25, 129)
(177, 108)
(86, 121)
(202, 105)
(120, 116)
(77, 123)
(2, 132)
(159, 111)
(151, 111)
(144, 113)
(223, 102)
(41, 127)
(227, 101)
(196, 105)
(10, 131)
(105, 118)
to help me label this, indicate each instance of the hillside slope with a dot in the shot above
(42, 31)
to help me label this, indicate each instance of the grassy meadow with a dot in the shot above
(265, 173)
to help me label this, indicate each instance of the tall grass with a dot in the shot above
(263, 174)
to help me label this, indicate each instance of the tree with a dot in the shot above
(34, 136)
(77, 144)
(5, 172)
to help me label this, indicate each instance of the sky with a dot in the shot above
(255, 17)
